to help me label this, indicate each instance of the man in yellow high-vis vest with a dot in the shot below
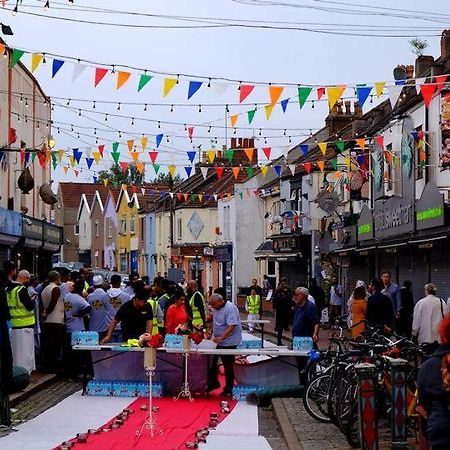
(158, 315)
(253, 307)
(21, 309)
(196, 303)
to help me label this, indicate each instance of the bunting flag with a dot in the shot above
(323, 147)
(361, 143)
(264, 170)
(200, 197)
(363, 93)
(100, 73)
(130, 144)
(204, 171)
(16, 55)
(122, 78)
(169, 84)
(334, 163)
(89, 162)
(394, 94)
(153, 156)
(244, 91)
(140, 168)
(156, 168)
(190, 132)
(78, 69)
(194, 86)
(229, 154)
(76, 172)
(144, 141)
(334, 93)
(427, 91)
(71, 160)
(235, 171)
(321, 165)
(94, 179)
(219, 172)
(191, 155)
(211, 155)
(379, 88)
(186, 196)
(320, 92)
(340, 145)
(284, 104)
(105, 182)
(292, 168)
(275, 93)
(96, 156)
(277, 170)
(172, 169)
(241, 194)
(66, 169)
(115, 146)
(34, 154)
(143, 80)
(419, 82)
(268, 109)
(233, 120)
(60, 154)
(303, 94)
(440, 81)
(249, 152)
(304, 148)
(307, 166)
(124, 166)
(101, 149)
(267, 151)
(188, 170)
(36, 59)
(249, 171)
(77, 155)
(251, 115)
(22, 156)
(220, 88)
(56, 66)
(158, 138)
(135, 156)
(380, 140)
(115, 156)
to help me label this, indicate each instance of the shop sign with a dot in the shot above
(208, 251)
(223, 254)
(393, 217)
(430, 208)
(365, 224)
(10, 222)
(285, 244)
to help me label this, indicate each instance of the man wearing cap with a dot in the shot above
(102, 311)
(52, 322)
(21, 308)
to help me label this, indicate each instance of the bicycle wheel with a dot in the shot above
(338, 385)
(352, 427)
(315, 398)
(347, 399)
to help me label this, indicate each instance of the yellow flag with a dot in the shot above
(233, 120)
(334, 93)
(347, 160)
(72, 160)
(135, 156)
(379, 87)
(122, 78)
(200, 197)
(361, 142)
(66, 169)
(172, 170)
(60, 154)
(105, 181)
(275, 93)
(264, 170)
(36, 59)
(249, 152)
(144, 141)
(97, 156)
(323, 147)
(268, 109)
(211, 155)
(140, 167)
(130, 143)
(169, 84)
(321, 165)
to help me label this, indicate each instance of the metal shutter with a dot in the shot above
(440, 273)
(296, 273)
(421, 273)
(405, 266)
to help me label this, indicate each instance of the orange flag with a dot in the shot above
(140, 167)
(275, 93)
(233, 120)
(122, 78)
(130, 143)
(321, 165)
(135, 156)
(362, 143)
(249, 152)
(236, 171)
(66, 169)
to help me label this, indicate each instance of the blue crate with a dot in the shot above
(142, 390)
(241, 391)
(123, 389)
(84, 338)
(99, 388)
(252, 343)
(302, 343)
(173, 341)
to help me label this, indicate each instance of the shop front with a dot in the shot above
(224, 255)
(10, 233)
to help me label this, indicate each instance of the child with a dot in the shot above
(252, 306)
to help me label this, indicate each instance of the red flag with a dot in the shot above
(379, 140)
(267, 151)
(153, 156)
(440, 80)
(99, 75)
(219, 172)
(101, 149)
(427, 91)
(179, 196)
(245, 91)
(190, 132)
(76, 172)
(307, 166)
(124, 166)
(320, 92)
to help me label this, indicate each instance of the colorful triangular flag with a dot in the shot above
(363, 93)
(394, 93)
(304, 148)
(122, 78)
(56, 66)
(169, 84)
(153, 156)
(143, 80)
(427, 91)
(144, 141)
(188, 170)
(158, 138)
(135, 156)
(78, 69)
(303, 94)
(321, 165)
(36, 59)
(211, 155)
(194, 86)
(204, 171)
(267, 151)
(275, 93)
(379, 88)
(251, 115)
(233, 120)
(334, 93)
(268, 109)
(340, 145)
(277, 169)
(323, 147)
(244, 91)
(235, 171)
(249, 152)
(16, 55)
(156, 168)
(172, 169)
(264, 170)
(89, 162)
(219, 172)
(191, 155)
(100, 73)
(284, 104)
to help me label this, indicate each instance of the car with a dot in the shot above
(124, 276)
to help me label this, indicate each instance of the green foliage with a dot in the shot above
(165, 178)
(418, 46)
(117, 177)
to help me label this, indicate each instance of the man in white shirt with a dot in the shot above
(428, 313)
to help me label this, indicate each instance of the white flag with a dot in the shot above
(78, 69)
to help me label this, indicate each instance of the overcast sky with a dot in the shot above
(278, 56)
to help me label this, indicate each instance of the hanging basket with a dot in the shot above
(25, 181)
(47, 195)
(150, 358)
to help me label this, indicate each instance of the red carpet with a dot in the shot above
(178, 420)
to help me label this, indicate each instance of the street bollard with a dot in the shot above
(399, 433)
(368, 424)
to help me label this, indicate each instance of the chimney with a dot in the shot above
(240, 156)
(423, 64)
(409, 71)
(445, 44)
(339, 118)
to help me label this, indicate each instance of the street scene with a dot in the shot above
(224, 224)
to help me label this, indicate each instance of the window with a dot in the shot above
(179, 229)
(276, 208)
(132, 224)
(76, 229)
(123, 225)
(96, 230)
(389, 168)
(123, 263)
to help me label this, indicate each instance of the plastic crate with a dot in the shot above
(85, 338)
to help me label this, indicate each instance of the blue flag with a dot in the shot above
(158, 139)
(277, 170)
(188, 170)
(77, 155)
(89, 162)
(194, 86)
(284, 104)
(304, 148)
(191, 156)
(363, 93)
(57, 64)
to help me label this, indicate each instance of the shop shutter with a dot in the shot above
(440, 273)
(405, 266)
(387, 261)
(296, 273)
(420, 273)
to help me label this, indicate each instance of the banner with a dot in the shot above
(445, 128)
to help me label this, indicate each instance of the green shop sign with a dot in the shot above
(365, 228)
(430, 213)
(430, 208)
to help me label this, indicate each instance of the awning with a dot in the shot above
(420, 241)
(265, 246)
(344, 250)
(51, 247)
(283, 257)
(399, 244)
(32, 243)
(8, 239)
(363, 249)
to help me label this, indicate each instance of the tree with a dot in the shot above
(117, 177)
(418, 46)
(165, 178)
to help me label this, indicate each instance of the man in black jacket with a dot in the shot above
(380, 313)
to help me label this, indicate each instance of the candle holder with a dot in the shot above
(185, 390)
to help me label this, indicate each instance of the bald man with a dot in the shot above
(21, 308)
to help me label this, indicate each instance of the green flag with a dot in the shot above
(229, 154)
(156, 167)
(333, 163)
(241, 194)
(303, 94)
(249, 171)
(16, 55)
(340, 145)
(192, 197)
(251, 115)
(54, 161)
(143, 80)
(115, 156)
(115, 146)
(33, 156)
